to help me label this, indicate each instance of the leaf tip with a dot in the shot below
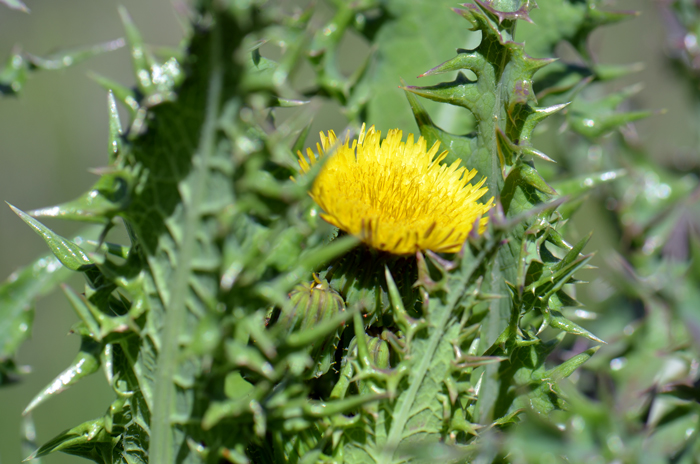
(124, 14)
(17, 5)
(12, 207)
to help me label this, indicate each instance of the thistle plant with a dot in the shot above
(381, 300)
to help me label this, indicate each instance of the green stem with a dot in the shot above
(501, 311)
(162, 443)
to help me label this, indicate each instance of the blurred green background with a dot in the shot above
(57, 129)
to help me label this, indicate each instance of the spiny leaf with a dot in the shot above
(584, 183)
(17, 295)
(29, 437)
(69, 253)
(408, 37)
(109, 196)
(572, 254)
(417, 411)
(459, 147)
(115, 128)
(599, 125)
(81, 307)
(509, 9)
(90, 440)
(504, 105)
(557, 321)
(85, 363)
(68, 58)
(14, 75)
(596, 118)
(138, 53)
(568, 367)
(567, 21)
(523, 372)
(122, 93)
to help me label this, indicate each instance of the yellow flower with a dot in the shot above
(396, 196)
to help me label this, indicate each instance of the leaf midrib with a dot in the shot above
(161, 447)
(399, 423)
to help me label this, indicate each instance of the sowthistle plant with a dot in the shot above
(376, 302)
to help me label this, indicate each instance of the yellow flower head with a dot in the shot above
(396, 196)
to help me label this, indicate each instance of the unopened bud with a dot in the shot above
(313, 303)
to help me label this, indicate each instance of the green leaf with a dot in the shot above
(417, 413)
(85, 363)
(568, 367)
(139, 56)
(124, 94)
(558, 321)
(109, 196)
(17, 295)
(68, 253)
(503, 104)
(416, 33)
(596, 118)
(14, 75)
(584, 183)
(115, 129)
(565, 20)
(64, 59)
(89, 440)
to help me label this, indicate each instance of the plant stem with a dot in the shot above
(162, 447)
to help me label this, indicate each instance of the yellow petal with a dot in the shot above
(394, 195)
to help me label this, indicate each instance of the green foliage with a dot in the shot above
(17, 296)
(14, 75)
(236, 326)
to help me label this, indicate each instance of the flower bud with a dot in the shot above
(313, 303)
